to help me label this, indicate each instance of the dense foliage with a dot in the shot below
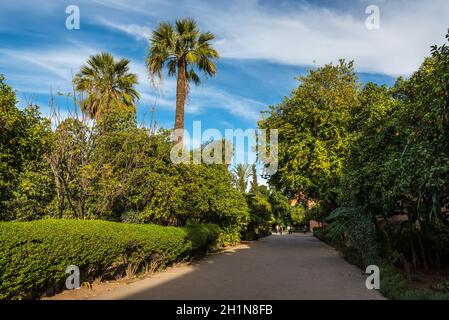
(261, 217)
(25, 139)
(34, 255)
(381, 154)
(313, 132)
(399, 163)
(269, 208)
(74, 169)
(110, 169)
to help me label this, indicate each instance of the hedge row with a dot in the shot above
(34, 255)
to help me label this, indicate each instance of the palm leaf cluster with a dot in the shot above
(107, 85)
(240, 174)
(181, 46)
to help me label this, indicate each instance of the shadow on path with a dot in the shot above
(289, 267)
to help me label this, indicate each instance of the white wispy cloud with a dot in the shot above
(59, 62)
(138, 31)
(235, 105)
(202, 99)
(305, 34)
(53, 69)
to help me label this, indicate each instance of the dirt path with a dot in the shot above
(277, 267)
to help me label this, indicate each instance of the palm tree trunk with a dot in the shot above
(181, 93)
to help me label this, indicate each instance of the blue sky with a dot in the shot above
(264, 45)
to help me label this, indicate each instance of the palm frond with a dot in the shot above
(107, 83)
(181, 44)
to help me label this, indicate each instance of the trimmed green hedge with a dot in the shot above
(34, 255)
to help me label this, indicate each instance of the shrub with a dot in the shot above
(25, 180)
(228, 237)
(34, 255)
(353, 230)
(260, 218)
(394, 286)
(321, 234)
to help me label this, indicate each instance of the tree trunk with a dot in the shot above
(181, 93)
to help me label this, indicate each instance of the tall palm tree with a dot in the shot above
(182, 49)
(108, 85)
(241, 173)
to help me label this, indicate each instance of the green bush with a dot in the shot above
(321, 234)
(34, 255)
(228, 237)
(355, 241)
(260, 218)
(353, 231)
(393, 285)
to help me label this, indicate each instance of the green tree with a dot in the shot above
(69, 162)
(369, 168)
(261, 217)
(280, 207)
(241, 173)
(263, 191)
(182, 49)
(399, 165)
(314, 130)
(211, 198)
(10, 135)
(133, 179)
(254, 183)
(107, 84)
(25, 139)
